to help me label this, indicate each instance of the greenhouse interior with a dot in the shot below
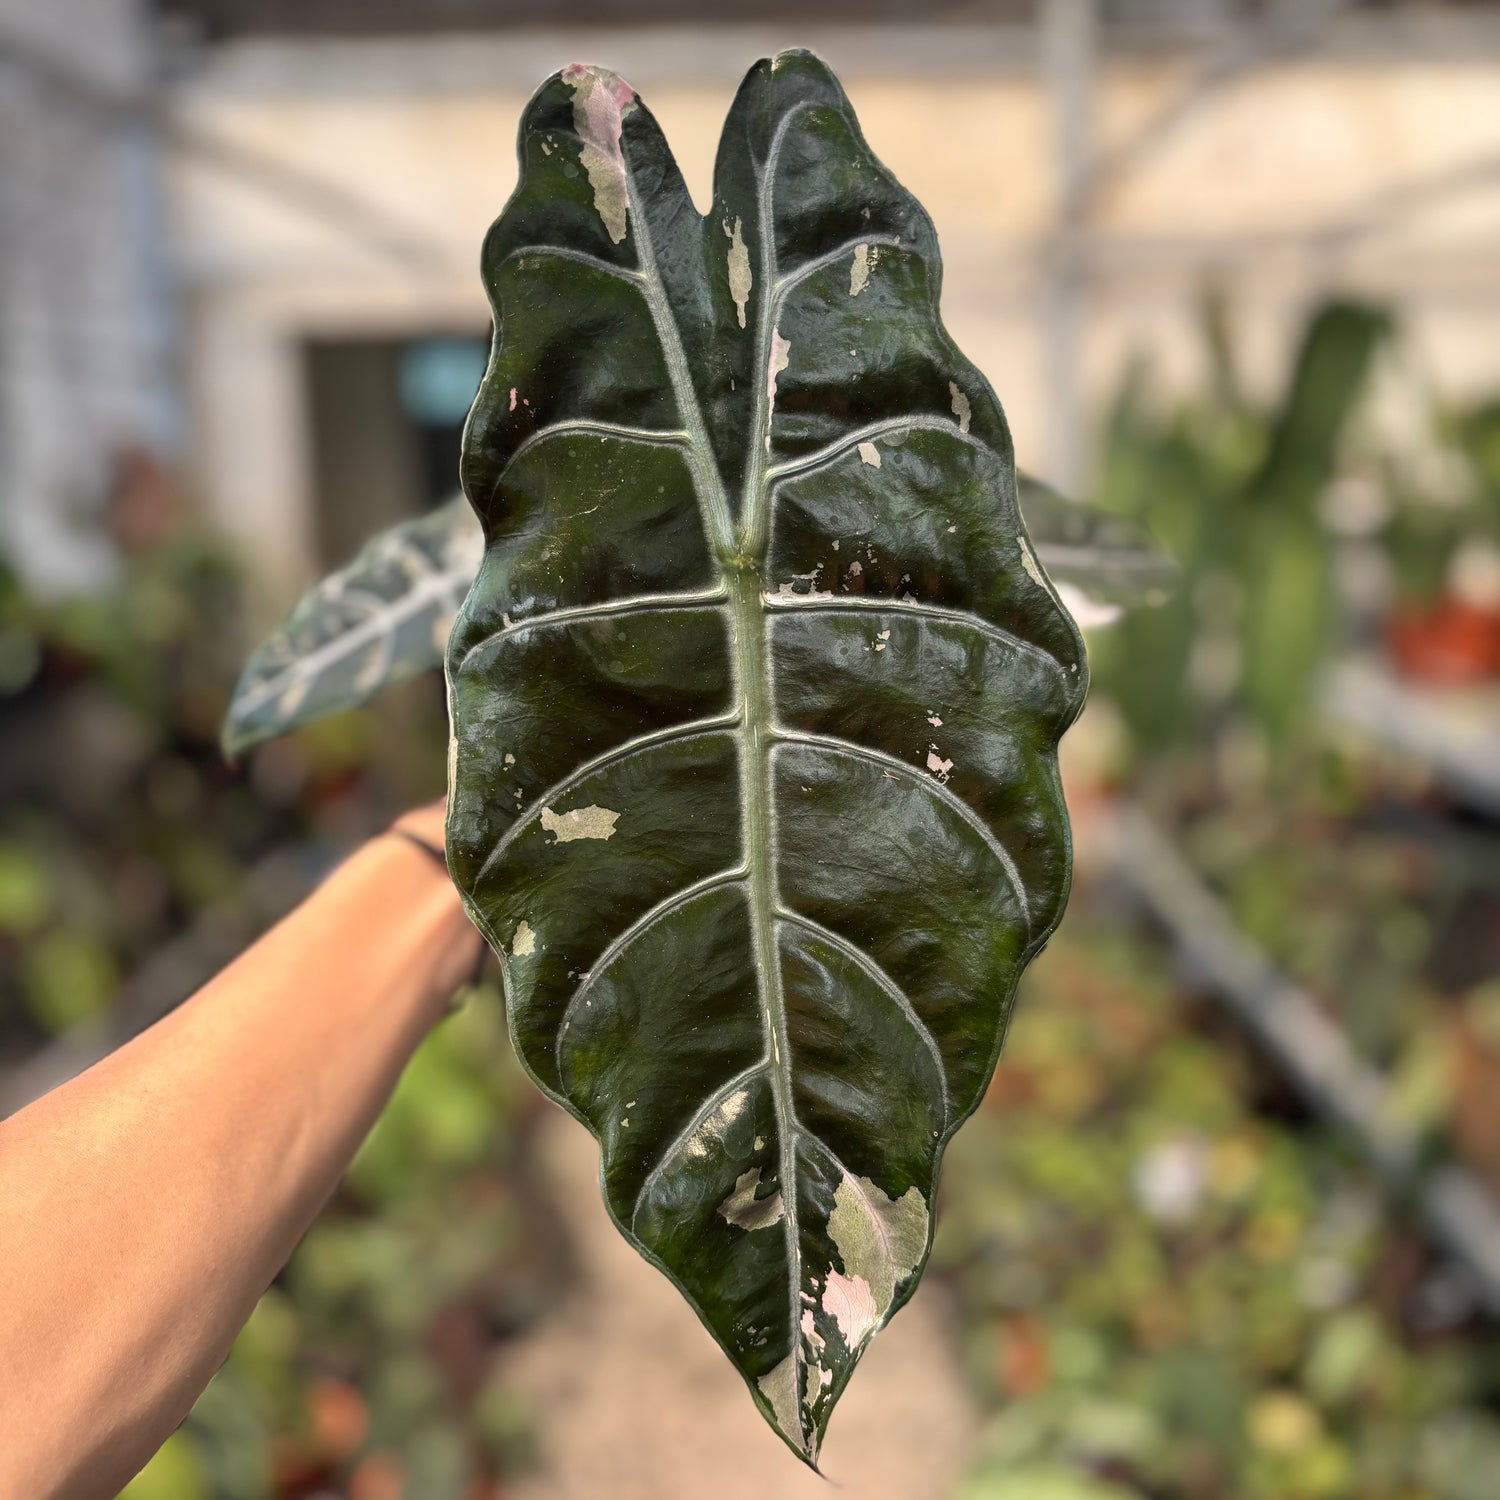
(1226, 1222)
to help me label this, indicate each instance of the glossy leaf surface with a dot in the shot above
(382, 618)
(1108, 562)
(755, 704)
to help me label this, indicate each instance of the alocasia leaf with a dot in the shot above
(1107, 563)
(382, 618)
(755, 704)
(1104, 562)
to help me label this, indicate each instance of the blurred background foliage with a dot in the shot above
(1261, 502)
(133, 862)
(1170, 1276)
(1173, 1279)
(1175, 1283)
(1176, 1280)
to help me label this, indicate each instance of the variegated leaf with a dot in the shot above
(756, 701)
(382, 618)
(1101, 564)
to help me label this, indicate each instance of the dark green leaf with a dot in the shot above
(1108, 562)
(756, 701)
(383, 618)
(348, 650)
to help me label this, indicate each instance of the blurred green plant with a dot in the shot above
(1167, 1293)
(1271, 509)
(126, 845)
(1232, 490)
(118, 827)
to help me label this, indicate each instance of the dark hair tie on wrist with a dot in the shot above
(430, 850)
(433, 852)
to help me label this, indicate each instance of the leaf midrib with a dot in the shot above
(751, 649)
(740, 562)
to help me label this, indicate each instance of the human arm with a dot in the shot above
(147, 1204)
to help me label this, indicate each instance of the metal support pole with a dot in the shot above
(1069, 42)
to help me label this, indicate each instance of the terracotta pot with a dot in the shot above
(1447, 642)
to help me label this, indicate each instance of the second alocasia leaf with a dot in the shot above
(756, 701)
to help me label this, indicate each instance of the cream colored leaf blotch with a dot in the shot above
(881, 1240)
(1029, 562)
(961, 408)
(860, 268)
(781, 354)
(779, 1387)
(601, 100)
(745, 1211)
(740, 279)
(581, 823)
(716, 1124)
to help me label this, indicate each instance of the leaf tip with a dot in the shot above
(788, 55)
(778, 1389)
(235, 737)
(601, 101)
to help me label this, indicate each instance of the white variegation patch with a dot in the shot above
(745, 1211)
(580, 823)
(961, 408)
(860, 268)
(816, 1381)
(815, 1340)
(716, 1124)
(779, 1387)
(881, 1241)
(601, 100)
(781, 354)
(1029, 562)
(849, 1301)
(740, 279)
